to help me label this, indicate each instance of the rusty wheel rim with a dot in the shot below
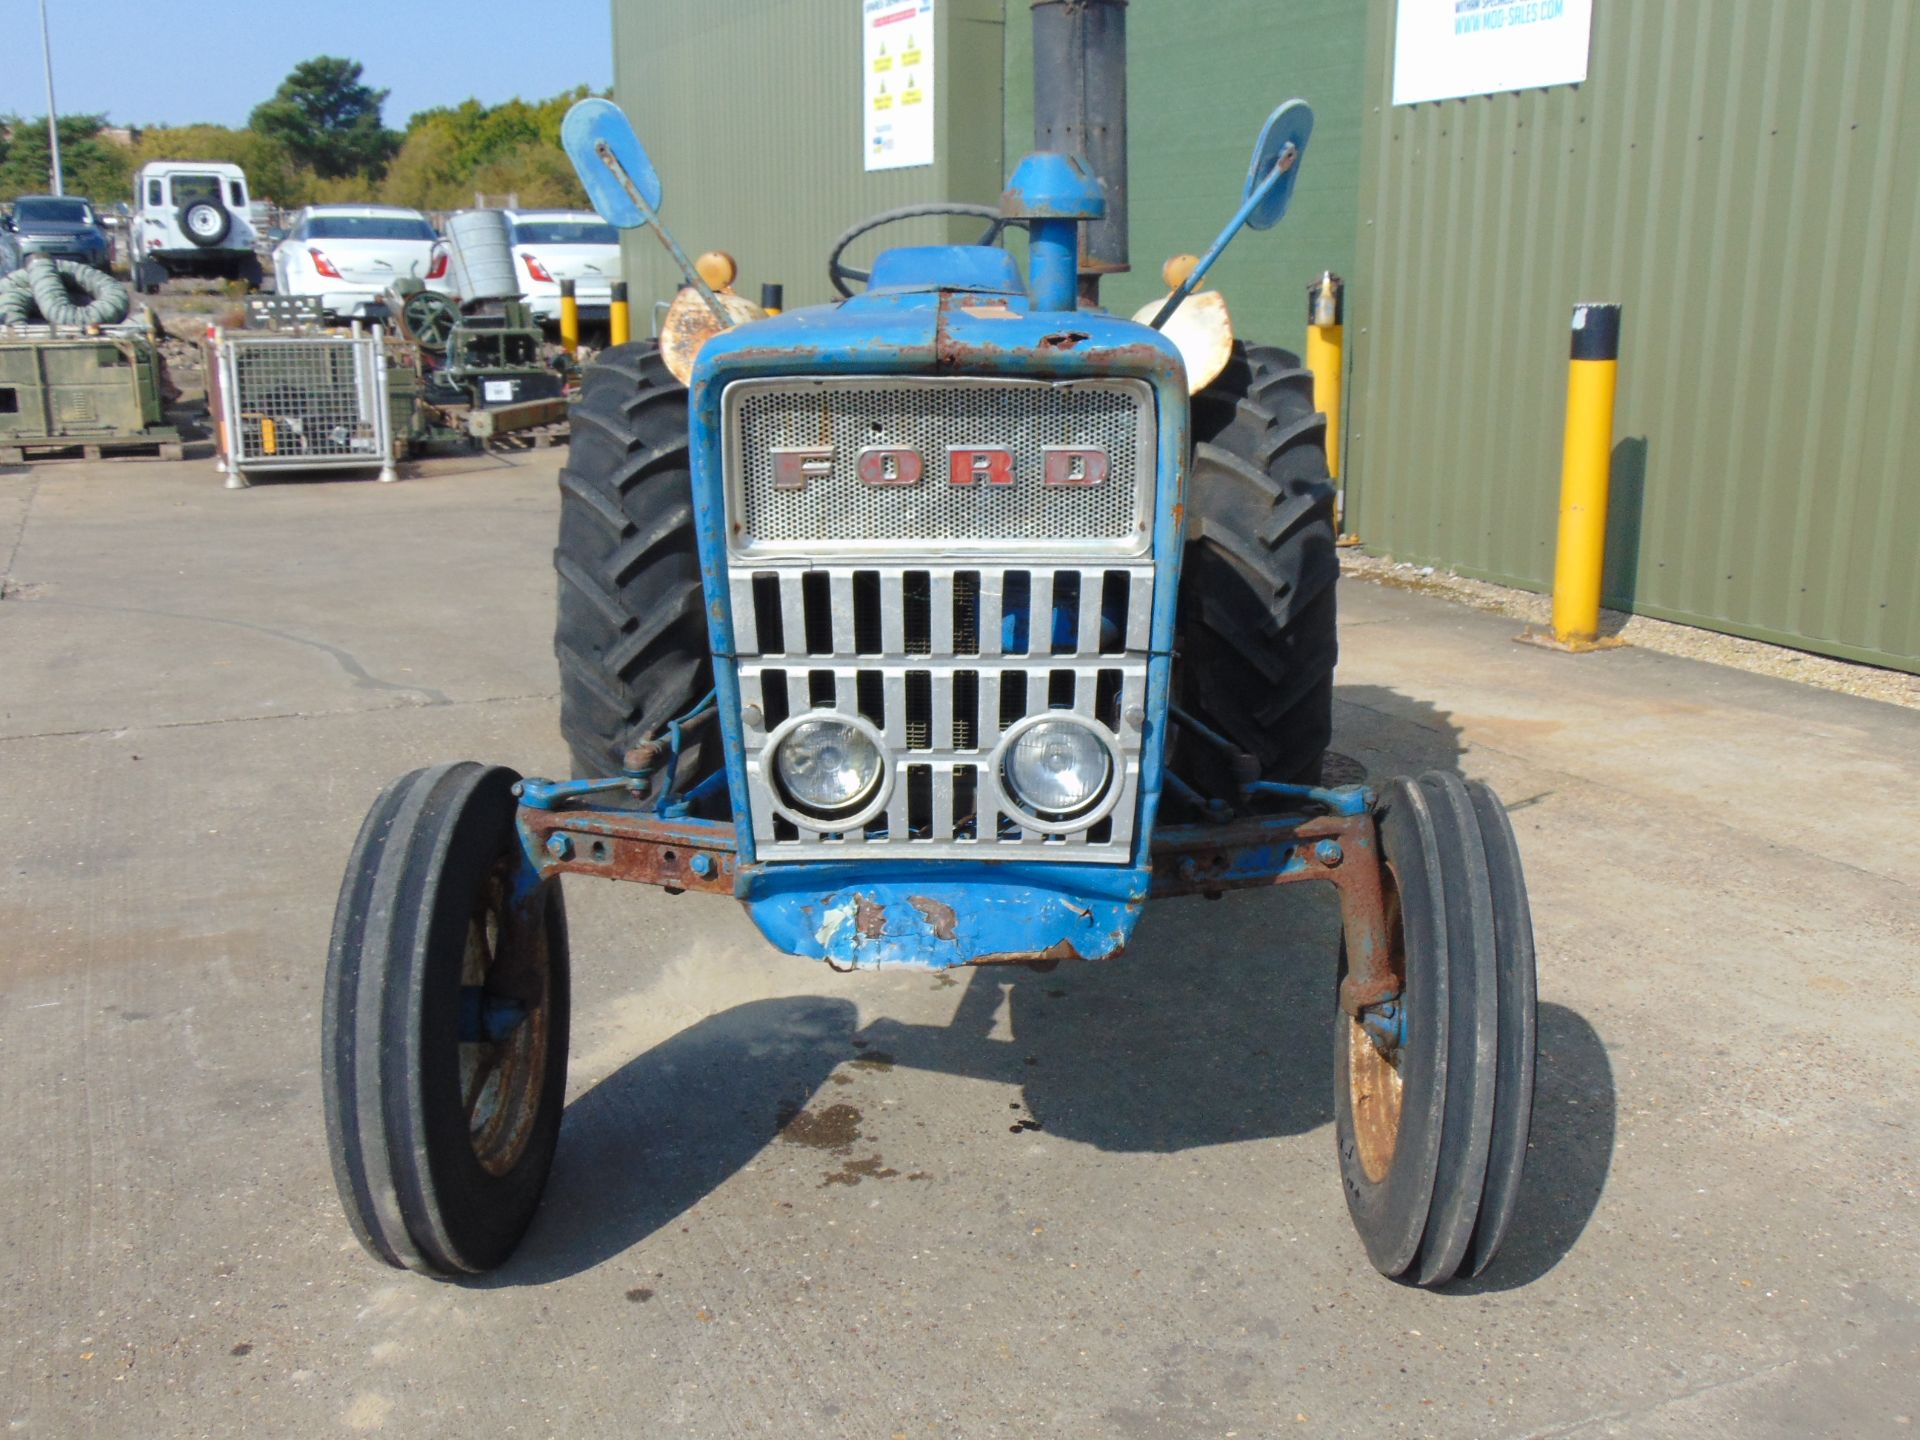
(1375, 1086)
(502, 1081)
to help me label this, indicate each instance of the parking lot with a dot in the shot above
(1092, 1201)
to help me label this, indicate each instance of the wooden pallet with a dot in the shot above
(133, 447)
(544, 438)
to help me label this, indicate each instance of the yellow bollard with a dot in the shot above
(1326, 358)
(569, 318)
(1584, 468)
(619, 316)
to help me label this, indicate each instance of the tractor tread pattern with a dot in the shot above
(1257, 583)
(631, 634)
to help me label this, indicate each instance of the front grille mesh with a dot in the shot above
(928, 417)
(942, 661)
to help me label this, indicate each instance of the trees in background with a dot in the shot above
(328, 121)
(321, 138)
(90, 165)
(449, 153)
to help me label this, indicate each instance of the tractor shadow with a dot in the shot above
(653, 1139)
(1215, 1026)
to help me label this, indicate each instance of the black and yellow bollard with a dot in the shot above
(569, 318)
(1326, 358)
(1585, 462)
(619, 316)
(773, 297)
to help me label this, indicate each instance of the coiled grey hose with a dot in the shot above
(45, 287)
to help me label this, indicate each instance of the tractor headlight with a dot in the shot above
(829, 767)
(1057, 768)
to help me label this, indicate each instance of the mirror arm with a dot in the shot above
(1281, 166)
(612, 162)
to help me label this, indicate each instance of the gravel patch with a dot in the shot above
(1756, 656)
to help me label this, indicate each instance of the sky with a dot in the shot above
(177, 62)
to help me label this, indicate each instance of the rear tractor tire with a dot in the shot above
(631, 635)
(1432, 1122)
(1256, 639)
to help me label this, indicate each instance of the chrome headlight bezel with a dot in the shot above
(856, 814)
(1051, 823)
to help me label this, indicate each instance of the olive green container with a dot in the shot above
(69, 392)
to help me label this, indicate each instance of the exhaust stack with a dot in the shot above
(1080, 108)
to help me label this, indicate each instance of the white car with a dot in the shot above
(190, 217)
(554, 245)
(348, 254)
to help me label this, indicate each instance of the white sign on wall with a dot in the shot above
(896, 63)
(1447, 48)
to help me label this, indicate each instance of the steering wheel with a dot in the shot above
(840, 274)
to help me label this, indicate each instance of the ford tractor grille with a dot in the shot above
(876, 606)
(814, 457)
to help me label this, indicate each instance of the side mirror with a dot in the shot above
(1277, 156)
(612, 164)
(623, 185)
(1282, 143)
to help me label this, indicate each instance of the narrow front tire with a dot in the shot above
(444, 1028)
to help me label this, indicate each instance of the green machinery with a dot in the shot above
(97, 394)
(486, 372)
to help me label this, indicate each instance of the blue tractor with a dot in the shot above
(947, 625)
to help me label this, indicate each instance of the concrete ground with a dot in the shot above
(200, 692)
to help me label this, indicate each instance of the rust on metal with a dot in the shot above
(868, 918)
(939, 915)
(1247, 854)
(1062, 340)
(622, 845)
(1052, 955)
(689, 323)
(1365, 925)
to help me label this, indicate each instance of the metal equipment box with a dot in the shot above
(93, 391)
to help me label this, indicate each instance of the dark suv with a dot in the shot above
(60, 227)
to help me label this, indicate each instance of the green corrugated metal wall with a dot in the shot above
(751, 112)
(1745, 176)
(1739, 173)
(1201, 79)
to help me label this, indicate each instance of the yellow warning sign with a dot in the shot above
(898, 44)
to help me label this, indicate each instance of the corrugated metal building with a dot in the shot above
(1739, 173)
(1744, 175)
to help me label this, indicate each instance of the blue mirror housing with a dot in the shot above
(1290, 125)
(593, 130)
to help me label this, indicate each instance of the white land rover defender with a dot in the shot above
(190, 217)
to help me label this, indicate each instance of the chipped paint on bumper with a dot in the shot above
(941, 915)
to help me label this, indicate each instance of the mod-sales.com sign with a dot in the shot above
(1443, 49)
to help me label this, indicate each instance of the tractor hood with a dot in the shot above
(941, 308)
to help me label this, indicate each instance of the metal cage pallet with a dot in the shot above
(304, 402)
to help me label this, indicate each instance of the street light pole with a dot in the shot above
(53, 124)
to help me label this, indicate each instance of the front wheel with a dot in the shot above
(444, 1029)
(1432, 1107)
